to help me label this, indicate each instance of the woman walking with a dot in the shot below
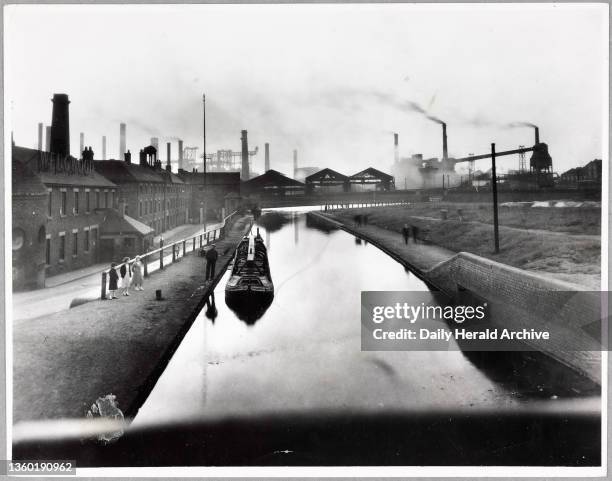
(112, 281)
(137, 274)
(126, 275)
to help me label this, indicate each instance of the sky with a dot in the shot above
(332, 81)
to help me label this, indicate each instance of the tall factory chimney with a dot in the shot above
(444, 143)
(104, 147)
(396, 147)
(81, 144)
(48, 139)
(245, 156)
(267, 162)
(122, 136)
(537, 135)
(40, 136)
(168, 151)
(60, 125)
(295, 167)
(180, 155)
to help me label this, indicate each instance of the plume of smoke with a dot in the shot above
(514, 125)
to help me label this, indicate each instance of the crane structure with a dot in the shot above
(227, 160)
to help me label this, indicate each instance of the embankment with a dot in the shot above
(517, 299)
(63, 362)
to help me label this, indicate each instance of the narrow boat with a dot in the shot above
(249, 290)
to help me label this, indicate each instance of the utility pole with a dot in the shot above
(494, 188)
(204, 156)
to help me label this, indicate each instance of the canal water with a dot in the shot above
(303, 354)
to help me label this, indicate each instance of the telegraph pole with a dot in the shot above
(204, 156)
(494, 188)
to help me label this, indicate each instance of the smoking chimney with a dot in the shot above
(104, 147)
(444, 143)
(396, 147)
(122, 136)
(537, 135)
(245, 156)
(48, 139)
(81, 144)
(180, 154)
(267, 162)
(60, 125)
(295, 167)
(40, 136)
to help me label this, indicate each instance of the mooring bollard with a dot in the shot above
(103, 290)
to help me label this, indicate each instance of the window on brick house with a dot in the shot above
(62, 247)
(75, 243)
(63, 203)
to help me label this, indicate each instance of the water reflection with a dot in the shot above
(211, 309)
(274, 221)
(249, 310)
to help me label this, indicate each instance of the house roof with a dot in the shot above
(121, 172)
(24, 181)
(327, 175)
(171, 178)
(272, 178)
(30, 158)
(114, 223)
(370, 173)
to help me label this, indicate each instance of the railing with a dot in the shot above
(329, 206)
(167, 254)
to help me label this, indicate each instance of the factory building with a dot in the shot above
(155, 197)
(212, 194)
(371, 179)
(327, 181)
(301, 173)
(57, 232)
(273, 183)
(590, 174)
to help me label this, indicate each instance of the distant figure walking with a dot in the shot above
(126, 276)
(406, 233)
(113, 277)
(137, 274)
(415, 232)
(357, 220)
(211, 260)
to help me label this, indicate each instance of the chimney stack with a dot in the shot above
(537, 135)
(295, 165)
(60, 125)
(396, 147)
(245, 156)
(48, 139)
(128, 157)
(444, 142)
(180, 154)
(267, 164)
(81, 144)
(122, 136)
(104, 147)
(168, 154)
(40, 136)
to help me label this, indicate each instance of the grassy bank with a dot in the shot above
(562, 242)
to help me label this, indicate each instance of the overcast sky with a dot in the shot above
(333, 81)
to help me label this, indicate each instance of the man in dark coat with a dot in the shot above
(211, 259)
(406, 233)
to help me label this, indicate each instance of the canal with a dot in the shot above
(303, 354)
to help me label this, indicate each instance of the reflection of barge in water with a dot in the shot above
(249, 290)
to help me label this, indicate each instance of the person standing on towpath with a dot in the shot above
(211, 260)
(406, 233)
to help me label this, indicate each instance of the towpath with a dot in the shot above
(62, 362)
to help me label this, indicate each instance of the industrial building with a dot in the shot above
(371, 179)
(273, 183)
(211, 194)
(327, 181)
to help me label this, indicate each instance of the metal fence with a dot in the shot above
(165, 255)
(329, 206)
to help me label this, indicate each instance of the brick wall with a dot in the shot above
(29, 237)
(519, 299)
